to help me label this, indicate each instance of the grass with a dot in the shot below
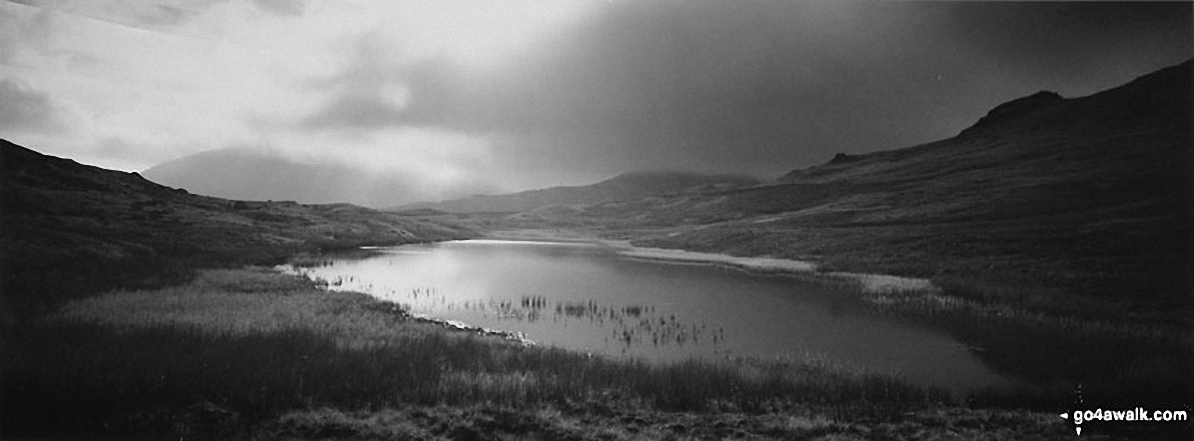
(254, 354)
(1060, 265)
(235, 349)
(1117, 363)
(1043, 334)
(68, 231)
(637, 423)
(1023, 314)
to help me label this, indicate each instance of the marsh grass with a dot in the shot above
(238, 347)
(244, 302)
(1025, 336)
(311, 260)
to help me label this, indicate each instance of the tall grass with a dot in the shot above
(1117, 362)
(238, 347)
(246, 302)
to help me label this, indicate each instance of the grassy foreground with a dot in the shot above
(253, 354)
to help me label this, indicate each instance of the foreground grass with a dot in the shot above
(255, 354)
(259, 342)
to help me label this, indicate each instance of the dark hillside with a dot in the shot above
(68, 229)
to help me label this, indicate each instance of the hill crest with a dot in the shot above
(67, 229)
(1160, 100)
(626, 186)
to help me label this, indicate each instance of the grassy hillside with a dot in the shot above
(68, 230)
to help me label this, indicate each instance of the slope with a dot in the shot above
(68, 229)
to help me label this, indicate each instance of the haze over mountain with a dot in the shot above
(260, 174)
(533, 94)
(627, 186)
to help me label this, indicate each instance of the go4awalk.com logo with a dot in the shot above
(1117, 419)
(1123, 415)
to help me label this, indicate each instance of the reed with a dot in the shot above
(238, 347)
(1028, 337)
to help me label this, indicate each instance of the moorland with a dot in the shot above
(1056, 224)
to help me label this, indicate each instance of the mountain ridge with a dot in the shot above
(630, 185)
(1159, 100)
(248, 174)
(252, 174)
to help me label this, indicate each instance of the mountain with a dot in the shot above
(628, 186)
(1084, 198)
(1126, 149)
(243, 173)
(67, 229)
(251, 174)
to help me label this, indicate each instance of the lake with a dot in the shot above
(587, 297)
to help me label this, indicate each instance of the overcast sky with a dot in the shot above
(516, 94)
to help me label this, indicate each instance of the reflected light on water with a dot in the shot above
(586, 297)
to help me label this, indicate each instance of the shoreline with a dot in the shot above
(874, 286)
(867, 283)
(343, 339)
(396, 309)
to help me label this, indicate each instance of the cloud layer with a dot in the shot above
(506, 95)
(23, 109)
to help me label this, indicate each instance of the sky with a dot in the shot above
(485, 96)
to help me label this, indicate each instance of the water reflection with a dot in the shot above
(587, 298)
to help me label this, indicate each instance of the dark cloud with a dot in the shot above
(20, 31)
(355, 111)
(282, 7)
(1080, 46)
(764, 86)
(164, 16)
(140, 14)
(24, 109)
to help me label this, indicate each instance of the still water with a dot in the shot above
(587, 297)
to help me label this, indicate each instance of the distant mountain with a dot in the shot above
(68, 228)
(628, 186)
(249, 174)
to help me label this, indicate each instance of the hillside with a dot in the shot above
(68, 229)
(628, 186)
(1081, 199)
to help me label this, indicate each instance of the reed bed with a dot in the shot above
(1117, 362)
(238, 347)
